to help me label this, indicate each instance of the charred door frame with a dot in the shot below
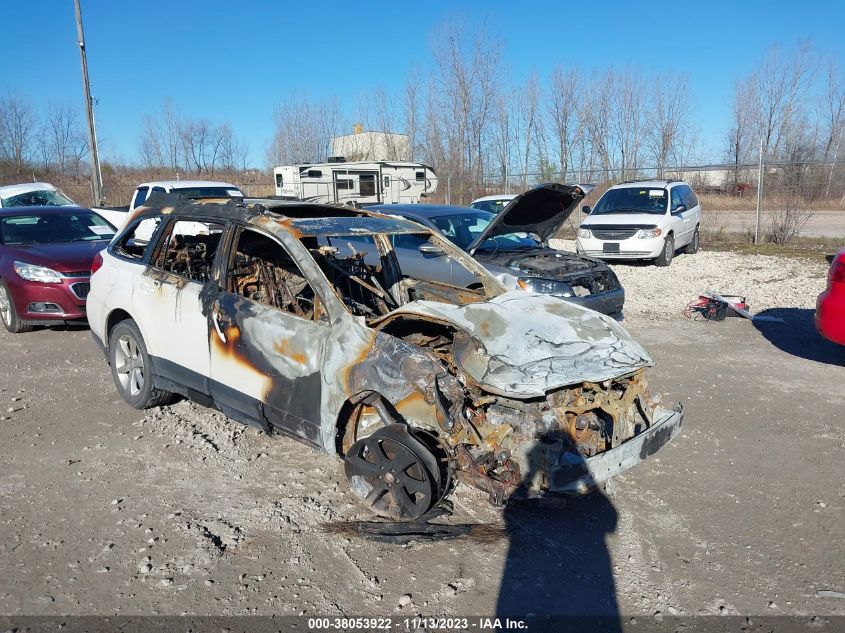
(288, 404)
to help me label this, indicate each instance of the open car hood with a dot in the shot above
(540, 210)
(520, 344)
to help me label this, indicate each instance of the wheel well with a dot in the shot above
(115, 317)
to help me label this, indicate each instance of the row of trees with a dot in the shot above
(177, 142)
(53, 140)
(793, 105)
(466, 117)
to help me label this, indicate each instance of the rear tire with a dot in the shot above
(692, 247)
(668, 252)
(8, 313)
(132, 368)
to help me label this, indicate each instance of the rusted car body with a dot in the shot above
(272, 318)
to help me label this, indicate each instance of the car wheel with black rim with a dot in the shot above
(8, 314)
(132, 369)
(394, 474)
(668, 252)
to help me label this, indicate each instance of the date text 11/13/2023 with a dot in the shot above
(416, 623)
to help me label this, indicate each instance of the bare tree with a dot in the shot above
(467, 73)
(18, 126)
(527, 120)
(744, 124)
(782, 83)
(563, 113)
(150, 143)
(412, 113)
(160, 143)
(667, 118)
(501, 136)
(627, 120)
(833, 116)
(194, 136)
(303, 130)
(595, 115)
(234, 152)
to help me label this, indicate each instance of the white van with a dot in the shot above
(649, 219)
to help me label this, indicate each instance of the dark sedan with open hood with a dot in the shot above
(513, 246)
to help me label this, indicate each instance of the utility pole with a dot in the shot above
(759, 193)
(96, 173)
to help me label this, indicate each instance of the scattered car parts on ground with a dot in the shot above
(275, 319)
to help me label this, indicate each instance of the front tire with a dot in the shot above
(132, 369)
(668, 252)
(692, 247)
(8, 313)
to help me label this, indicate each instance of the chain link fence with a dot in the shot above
(775, 202)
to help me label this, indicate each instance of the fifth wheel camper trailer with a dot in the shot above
(342, 182)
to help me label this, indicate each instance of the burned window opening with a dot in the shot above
(356, 268)
(263, 272)
(135, 242)
(190, 250)
(358, 283)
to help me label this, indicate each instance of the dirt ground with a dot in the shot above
(107, 510)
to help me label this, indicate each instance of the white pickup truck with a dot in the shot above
(192, 189)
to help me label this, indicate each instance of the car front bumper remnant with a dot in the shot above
(575, 475)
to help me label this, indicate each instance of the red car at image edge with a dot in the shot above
(830, 306)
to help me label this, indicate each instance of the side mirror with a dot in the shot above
(430, 249)
(586, 209)
(679, 208)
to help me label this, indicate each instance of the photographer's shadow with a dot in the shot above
(558, 563)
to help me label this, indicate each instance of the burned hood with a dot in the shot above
(520, 344)
(540, 210)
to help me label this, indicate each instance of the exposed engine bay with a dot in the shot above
(505, 446)
(582, 275)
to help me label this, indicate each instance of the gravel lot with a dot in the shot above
(108, 510)
(768, 282)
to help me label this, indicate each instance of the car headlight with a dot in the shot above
(545, 286)
(648, 233)
(30, 272)
(582, 232)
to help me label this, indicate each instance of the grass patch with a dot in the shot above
(814, 248)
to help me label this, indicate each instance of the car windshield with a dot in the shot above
(463, 229)
(632, 200)
(39, 198)
(354, 266)
(209, 192)
(54, 227)
(493, 206)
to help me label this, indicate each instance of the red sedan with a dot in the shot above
(45, 263)
(830, 306)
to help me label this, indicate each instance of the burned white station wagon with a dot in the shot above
(268, 313)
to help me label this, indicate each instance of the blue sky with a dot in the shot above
(225, 60)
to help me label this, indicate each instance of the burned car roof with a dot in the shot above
(306, 219)
(362, 225)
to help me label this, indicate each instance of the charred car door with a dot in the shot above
(267, 330)
(168, 293)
